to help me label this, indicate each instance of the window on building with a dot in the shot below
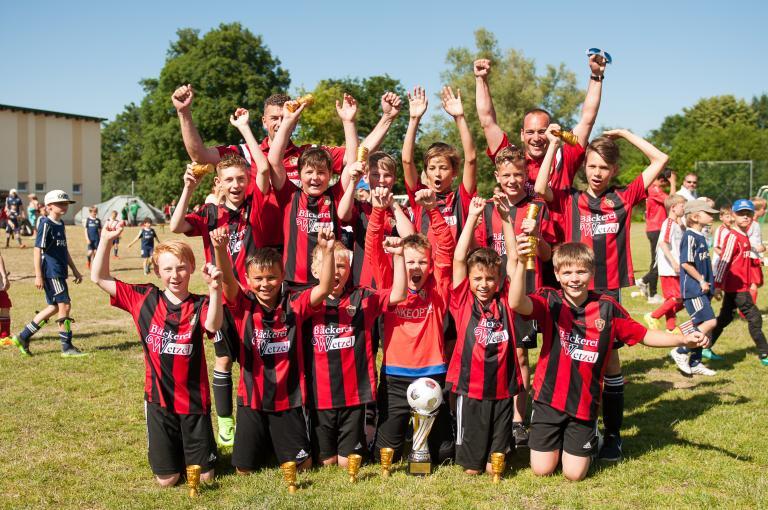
(39, 187)
(22, 186)
(77, 188)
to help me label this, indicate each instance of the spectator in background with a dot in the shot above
(124, 213)
(133, 207)
(12, 199)
(689, 188)
(32, 207)
(655, 214)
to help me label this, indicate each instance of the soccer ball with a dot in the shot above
(424, 395)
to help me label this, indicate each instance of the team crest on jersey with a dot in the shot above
(351, 310)
(607, 201)
(327, 201)
(599, 324)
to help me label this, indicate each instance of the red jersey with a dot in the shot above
(271, 352)
(577, 342)
(732, 272)
(484, 364)
(413, 329)
(720, 234)
(454, 206)
(303, 217)
(341, 362)
(245, 231)
(176, 376)
(362, 273)
(655, 212)
(603, 224)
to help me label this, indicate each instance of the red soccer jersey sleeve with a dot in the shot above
(375, 256)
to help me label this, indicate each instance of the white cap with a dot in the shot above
(12, 191)
(57, 196)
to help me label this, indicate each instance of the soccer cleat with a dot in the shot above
(701, 369)
(611, 448)
(707, 353)
(681, 360)
(226, 435)
(651, 321)
(23, 346)
(675, 331)
(655, 300)
(642, 286)
(764, 361)
(72, 352)
(520, 435)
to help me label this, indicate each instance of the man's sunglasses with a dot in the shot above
(597, 51)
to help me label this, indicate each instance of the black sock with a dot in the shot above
(222, 393)
(66, 339)
(29, 330)
(613, 403)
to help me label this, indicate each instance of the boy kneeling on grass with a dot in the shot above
(579, 328)
(171, 324)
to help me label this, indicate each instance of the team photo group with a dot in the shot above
(374, 328)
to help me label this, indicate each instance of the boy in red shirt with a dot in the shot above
(171, 324)
(733, 278)
(413, 330)
(655, 214)
(271, 391)
(580, 330)
(601, 218)
(484, 370)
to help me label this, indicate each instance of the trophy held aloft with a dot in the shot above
(424, 396)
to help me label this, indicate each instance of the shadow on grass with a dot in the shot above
(123, 346)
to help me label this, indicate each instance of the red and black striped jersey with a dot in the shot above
(602, 223)
(362, 272)
(303, 217)
(453, 206)
(484, 364)
(341, 362)
(575, 348)
(176, 376)
(246, 232)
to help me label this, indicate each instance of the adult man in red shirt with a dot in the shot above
(655, 214)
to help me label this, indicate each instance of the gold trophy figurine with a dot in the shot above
(289, 475)
(498, 464)
(531, 214)
(293, 105)
(200, 170)
(193, 480)
(353, 466)
(362, 154)
(386, 455)
(566, 136)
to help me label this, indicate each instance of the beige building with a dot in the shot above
(41, 151)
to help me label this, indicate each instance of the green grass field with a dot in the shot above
(72, 431)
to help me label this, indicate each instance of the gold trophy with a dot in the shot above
(498, 464)
(531, 214)
(424, 396)
(289, 475)
(293, 105)
(386, 455)
(353, 466)
(566, 136)
(201, 170)
(193, 480)
(362, 154)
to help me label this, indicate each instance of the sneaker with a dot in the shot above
(611, 449)
(72, 352)
(701, 369)
(764, 361)
(655, 300)
(675, 331)
(23, 346)
(681, 360)
(642, 286)
(226, 435)
(651, 321)
(520, 435)
(707, 353)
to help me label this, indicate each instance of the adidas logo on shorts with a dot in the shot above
(301, 455)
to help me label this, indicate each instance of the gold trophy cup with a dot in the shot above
(201, 170)
(353, 466)
(566, 136)
(498, 464)
(308, 100)
(424, 396)
(193, 480)
(289, 475)
(531, 214)
(362, 154)
(386, 455)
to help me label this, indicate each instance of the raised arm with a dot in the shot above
(212, 277)
(390, 108)
(494, 135)
(381, 199)
(220, 240)
(399, 291)
(240, 119)
(182, 100)
(417, 106)
(592, 100)
(452, 105)
(100, 265)
(445, 244)
(518, 300)
(325, 239)
(355, 172)
(541, 186)
(179, 224)
(279, 144)
(658, 159)
(466, 238)
(402, 221)
(347, 111)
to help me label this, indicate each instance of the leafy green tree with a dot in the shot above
(121, 152)
(760, 106)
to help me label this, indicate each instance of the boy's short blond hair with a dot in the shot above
(180, 249)
(672, 201)
(381, 159)
(449, 152)
(232, 160)
(574, 254)
(509, 154)
(264, 258)
(317, 256)
(417, 242)
(484, 257)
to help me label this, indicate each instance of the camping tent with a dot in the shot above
(117, 203)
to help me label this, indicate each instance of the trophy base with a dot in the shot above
(419, 468)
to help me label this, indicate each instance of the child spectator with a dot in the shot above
(92, 226)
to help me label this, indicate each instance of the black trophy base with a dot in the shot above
(419, 468)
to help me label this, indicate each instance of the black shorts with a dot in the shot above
(337, 431)
(56, 290)
(178, 440)
(226, 343)
(260, 433)
(146, 252)
(483, 427)
(395, 415)
(553, 430)
(93, 245)
(525, 333)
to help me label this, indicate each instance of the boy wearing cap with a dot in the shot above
(696, 283)
(733, 278)
(52, 259)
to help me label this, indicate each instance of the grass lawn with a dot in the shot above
(73, 433)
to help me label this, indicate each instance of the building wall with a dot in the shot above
(50, 152)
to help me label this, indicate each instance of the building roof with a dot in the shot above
(51, 113)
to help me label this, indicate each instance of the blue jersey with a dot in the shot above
(52, 241)
(148, 236)
(93, 228)
(694, 251)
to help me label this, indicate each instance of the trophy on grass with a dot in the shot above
(386, 455)
(498, 464)
(353, 466)
(193, 480)
(289, 475)
(424, 396)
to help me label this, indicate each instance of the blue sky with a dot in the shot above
(87, 57)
